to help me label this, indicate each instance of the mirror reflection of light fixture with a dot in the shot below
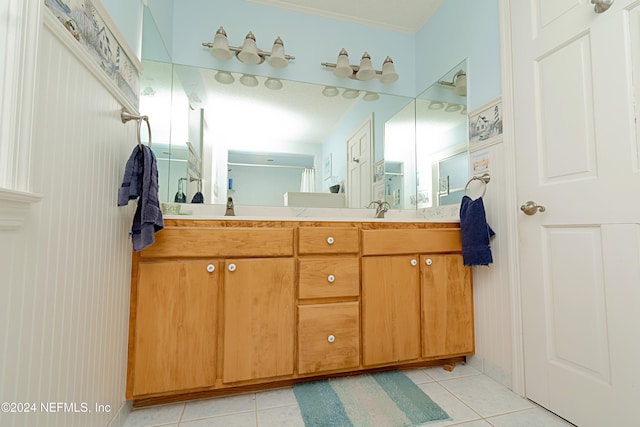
(436, 105)
(350, 93)
(458, 83)
(452, 108)
(249, 80)
(272, 83)
(249, 52)
(364, 71)
(371, 96)
(330, 91)
(224, 77)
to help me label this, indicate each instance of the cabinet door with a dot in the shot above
(175, 326)
(259, 304)
(390, 309)
(447, 306)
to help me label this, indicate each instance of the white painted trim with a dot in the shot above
(14, 206)
(51, 22)
(18, 89)
(16, 112)
(517, 359)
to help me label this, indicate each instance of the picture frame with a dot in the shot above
(378, 171)
(485, 124)
(327, 167)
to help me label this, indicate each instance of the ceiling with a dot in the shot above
(406, 16)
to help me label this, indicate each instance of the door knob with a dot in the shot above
(532, 208)
(355, 160)
(601, 5)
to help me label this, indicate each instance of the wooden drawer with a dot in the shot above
(328, 240)
(329, 277)
(328, 337)
(221, 242)
(410, 241)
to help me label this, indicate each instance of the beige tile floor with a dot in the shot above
(470, 398)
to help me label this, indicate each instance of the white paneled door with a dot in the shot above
(577, 152)
(359, 150)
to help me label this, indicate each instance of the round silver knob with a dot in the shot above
(532, 208)
(428, 261)
(601, 5)
(232, 267)
(330, 240)
(331, 338)
(211, 268)
(414, 262)
(331, 278)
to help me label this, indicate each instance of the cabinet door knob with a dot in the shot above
(331, 278)
(232, 267)
(331, 338)
(211, 268)
(330, 240)
(414, 262)
(428, 261)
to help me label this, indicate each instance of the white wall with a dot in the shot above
(65, 273)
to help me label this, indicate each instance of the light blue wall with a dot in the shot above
(127, 15)
(462, 29)
(310, 39)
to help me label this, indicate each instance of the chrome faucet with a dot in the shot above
(229, 211)
(381, 207)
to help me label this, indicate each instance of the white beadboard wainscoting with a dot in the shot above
(494, 325)
(65, 274)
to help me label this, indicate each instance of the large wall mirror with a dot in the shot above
(268, 142)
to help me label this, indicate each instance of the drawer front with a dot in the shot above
(328, 337)
(328, 240)
(329, 277)
(221, 242)
(410, 241)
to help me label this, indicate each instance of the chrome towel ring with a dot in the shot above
(126, 116)
(484, 178)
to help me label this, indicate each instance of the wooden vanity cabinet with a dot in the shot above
(259, 313)
(175, 326)
(415, 306)
(222, 307)
(447, 306)
(390, 309)
(328, 299)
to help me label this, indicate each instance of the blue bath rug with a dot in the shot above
(388, 399)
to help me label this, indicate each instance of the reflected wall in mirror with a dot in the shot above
(442, 140)
(261, 141)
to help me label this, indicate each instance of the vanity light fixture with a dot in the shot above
(364, 71)
(458, 83)
(249, 53)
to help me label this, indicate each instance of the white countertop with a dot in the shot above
(276, 213)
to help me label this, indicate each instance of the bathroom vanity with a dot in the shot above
(228, 306)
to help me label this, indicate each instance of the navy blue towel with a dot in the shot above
(198, 198)
(141, 182)
(475, 232)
